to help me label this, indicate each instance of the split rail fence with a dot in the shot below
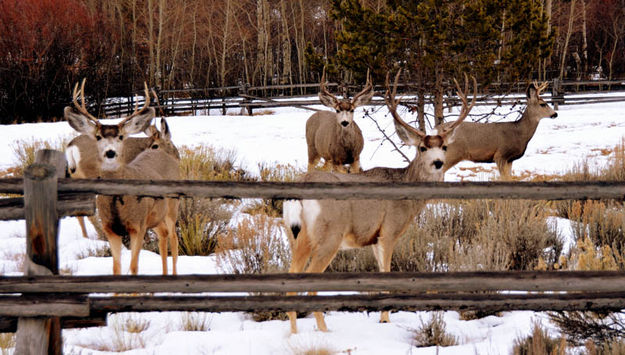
(249, 98)
(41, 303)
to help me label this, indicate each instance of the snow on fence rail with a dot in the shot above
(40, 303)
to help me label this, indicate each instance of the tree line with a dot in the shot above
(48, 45)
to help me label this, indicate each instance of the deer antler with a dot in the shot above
(365, 90)
(466, 108)
(324, 90)
(540, 87)
(392, 103)
(82, 108)
(146, 93)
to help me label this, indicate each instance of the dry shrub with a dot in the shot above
(539, 343)
(200, 221)
(278, 173)
(469, 235)
(254, 247)
(432, 332)
(24, 151)
(207, 163)
(311, 346)
(615, 347)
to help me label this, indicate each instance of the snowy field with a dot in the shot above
(580, 132)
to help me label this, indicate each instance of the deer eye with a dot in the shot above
(543, 104)
(338, 111)
(155, 146)
(121, 137)
(98, 137)
(445, 148)
(423, 149)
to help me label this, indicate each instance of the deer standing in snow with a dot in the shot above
(334, 136)
(83, 162)
(132, 215)
(499, 142)
(319, 228)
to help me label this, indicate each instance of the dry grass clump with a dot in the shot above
(195, 322)
(207, 163)
(314, 346)
(254, 247)
(432, 332)
(539, 343)
(7, 343)
(467, 236)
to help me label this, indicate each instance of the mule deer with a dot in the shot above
(319, 228)
(132, 215)
(334, 136)
(83, 162)
(499, 142)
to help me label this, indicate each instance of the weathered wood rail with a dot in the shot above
(40, 303)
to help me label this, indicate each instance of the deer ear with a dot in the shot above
(79, 122)
(408, 137)
(328, 100)
(166, 133)
(140, 122)
(363, 98)
(532, 92)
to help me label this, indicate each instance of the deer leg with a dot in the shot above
(301, 253)
(312, 163)
(339, 168)
(136, 241)
(115, 243)
(95, 221)
(83, 227)
(327, 165)
(355, 167)
(173, 245)
(162, 231)
(318, 263)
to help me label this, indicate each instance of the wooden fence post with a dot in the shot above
(41, 335)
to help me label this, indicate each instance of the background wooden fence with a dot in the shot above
(40, 303)
(247, 99)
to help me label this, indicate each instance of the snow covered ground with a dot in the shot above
(580, 132)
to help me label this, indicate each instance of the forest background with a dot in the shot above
(48, 45)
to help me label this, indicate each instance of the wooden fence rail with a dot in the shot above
(40, 303)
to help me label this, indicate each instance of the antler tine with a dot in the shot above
(366, 89)
(81, 108)
(543, 86)
(324, 88)
(146, 94)
(466, 108)
(392, 103)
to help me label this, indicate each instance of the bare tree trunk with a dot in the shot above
(584, 39)
(438, 98)
(548, 11)
(286, 46)
(224, 44)
(262, 40)
(567, 39)
(151, 42)
(159, 41)
(193, 45)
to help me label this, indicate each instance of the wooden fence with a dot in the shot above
(247, 99)
(40, 303)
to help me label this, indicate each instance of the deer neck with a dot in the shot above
(527, 125)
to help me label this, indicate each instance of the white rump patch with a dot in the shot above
(292, 212)
(311, 210)
(72, 154)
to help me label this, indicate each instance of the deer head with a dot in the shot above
(109, 138)
(536, 106)
(345, 107)
(431, 149)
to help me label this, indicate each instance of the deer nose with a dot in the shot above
(344, 123)
(554, 115)
(110, 154)
(438, 164)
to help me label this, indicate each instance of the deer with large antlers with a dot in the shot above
(83, 162)
(499, 142)
(334, 136)
(132, 215)
(319, 228)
